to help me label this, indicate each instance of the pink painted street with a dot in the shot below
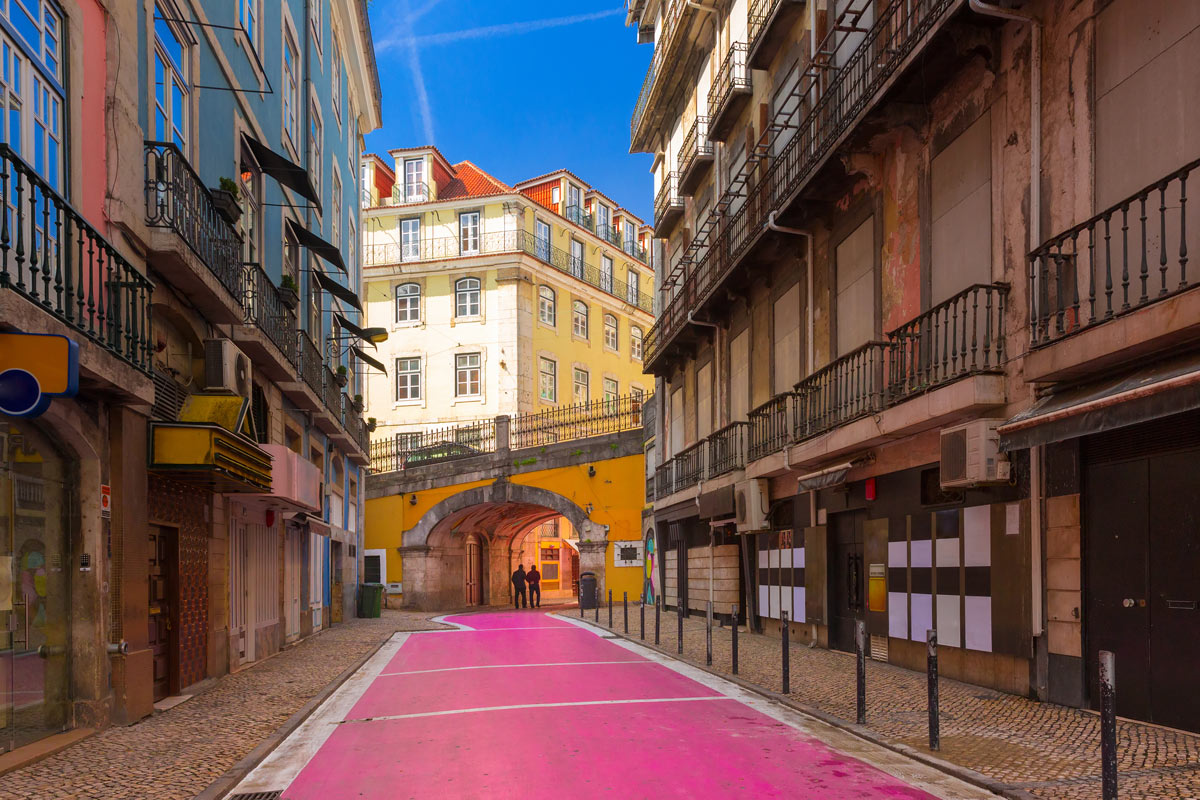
(515, 703)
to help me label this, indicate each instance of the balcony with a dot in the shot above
(668, 205)
(727, 449)
(769, 24)
(729, 94)
(177, 200)
(676, 56)
(664, 479)
(581, 217)
(771, 426)
(309, 363)
(267, 320)
(804, 139)
(1092, 288)
(52, 257)
(411, 192)
(690, 466)
(695, 156)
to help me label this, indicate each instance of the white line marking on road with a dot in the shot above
(463, 629)
(280, 768)
(914, 773)
(567, 704)
(510, 666)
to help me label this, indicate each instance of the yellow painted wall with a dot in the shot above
(615, 493)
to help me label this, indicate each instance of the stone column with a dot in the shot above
(414, 563)
(593, 553)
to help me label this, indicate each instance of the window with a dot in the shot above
(542, 237)
(555, 195)
(610, 332)
(408, 441)
(408, 379)
(610, 392)
(548, 380)
(466, 297)
(630, 238)
(635, 342)
(314, 21)
(335, 77)
(414, 180)
(171, 89)
(374, 563)
(579, 318)
(634, 287)
(315, 138)
(291, 255)
(248, 18)
(547, 311)
(606, 274)
(574, 197)
(335, 212)
(410, 239)
(408, 303)
(468, 232)
(30, 104)
(603, 220)
(466, 374)
(351, 241)
(291, 87)
(637, 393)
(579, 386)
(314, 306)
(250, 223)
(577, 258)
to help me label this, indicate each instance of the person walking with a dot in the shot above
(518, 582)
(534, 579)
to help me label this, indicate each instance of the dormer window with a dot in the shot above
(415, 189)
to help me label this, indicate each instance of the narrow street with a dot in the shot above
(516, 703)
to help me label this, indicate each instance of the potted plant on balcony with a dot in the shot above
(225, 198)
(371, 423)
(358, 403)
(289, 292)
(341, 378)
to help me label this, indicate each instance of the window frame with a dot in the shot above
(315, 19)
(460, 368)
(576, 262)
(250, 223)
(335, 79)
(171, 71)
(580, 310)
(543, 244)
(636, 337)
(633, 286)
(412, 303)
(547, 298)
(254, 7)
(612, 332)
(316, 143)
(335, 207)
(460, 290)
(580, 377)
(552, 395)
(463, 247)
(291, 87)
(610, 397)
(607, 273)
(410, 250)
(410, 374)
(414, 193)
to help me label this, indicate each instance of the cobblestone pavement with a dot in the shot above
(1042, 749)
(178, 753)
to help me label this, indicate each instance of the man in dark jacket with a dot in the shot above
(534, 579)
(518, 582)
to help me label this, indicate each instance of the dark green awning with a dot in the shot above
(287, 172)
(354, 329)
(336, 289)
(317, 245)
(366, 359)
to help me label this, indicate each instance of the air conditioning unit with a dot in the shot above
(750, 503)
(226, 368)
(971, 455)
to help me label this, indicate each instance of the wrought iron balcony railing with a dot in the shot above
(771, 426)
(1128, 256)
(581, 217)
(331, 393)
(411, 192)
(842, 391)
(695, 151)
(800, 137)
(690, 466)
(671, 21)
(667, 203)
(732, 78)
(176, 198)
(54, 258)
(265, 309)
(664, 479)
(727, 449)
(309, 364)
(958, 337)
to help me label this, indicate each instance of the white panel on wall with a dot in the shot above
(947, 552)
(798, 557)
(922, 553)
(949, 625)
(898, 615)
(979, 623)
(922, 615)
(977, 536)
(898, 554)
(798, 601)
(764, 601)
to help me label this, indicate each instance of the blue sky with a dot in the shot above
(519, 89)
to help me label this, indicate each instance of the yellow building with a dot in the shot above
(500, 301)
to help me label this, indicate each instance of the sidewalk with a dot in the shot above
(177, 753)
(1033, 749)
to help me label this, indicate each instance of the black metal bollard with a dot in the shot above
(1108, 725)
(581, 603)
(935, 728)
(597, 605)
(610, 608)
(733, 650)
(679, 615)
(642, 619)
(625, 604)
(860, 649)
(708, 636)
(783, 638)
(657, 613)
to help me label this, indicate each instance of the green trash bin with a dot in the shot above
(370, 600)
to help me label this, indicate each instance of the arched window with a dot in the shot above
(610, 332)
(635, 342)
(408, 303)
(466, 297)
(579, 318)
(547, 306)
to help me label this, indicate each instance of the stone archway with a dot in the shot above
(434, 550)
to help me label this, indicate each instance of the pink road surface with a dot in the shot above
(453, 715)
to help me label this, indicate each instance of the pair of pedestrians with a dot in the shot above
(520, 579)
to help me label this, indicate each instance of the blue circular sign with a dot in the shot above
(20, 393)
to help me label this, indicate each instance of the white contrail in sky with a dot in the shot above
(493, 31)
(414, 64)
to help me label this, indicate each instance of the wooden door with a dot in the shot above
(164, 611)
(241, 631)
(846, 580)
(293, 568)
(335, 566)
(473, 571)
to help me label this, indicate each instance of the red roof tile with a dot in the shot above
(470, 181)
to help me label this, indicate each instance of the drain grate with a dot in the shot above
(257, 796)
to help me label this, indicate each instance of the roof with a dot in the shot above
(470, 181)
(546, 176)
(379, 162)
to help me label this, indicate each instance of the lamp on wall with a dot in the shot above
(591, 470)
